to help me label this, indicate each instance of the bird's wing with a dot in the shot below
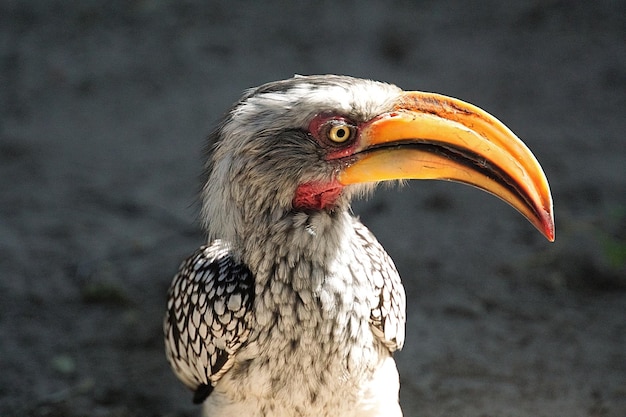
(388, 314)
(209, 316)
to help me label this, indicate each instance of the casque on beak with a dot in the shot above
(430, 136)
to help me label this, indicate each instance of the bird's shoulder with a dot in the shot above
(209, 316)
(388, 313)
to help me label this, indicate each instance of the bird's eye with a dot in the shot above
(340, 133)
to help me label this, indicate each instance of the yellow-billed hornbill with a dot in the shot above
(293, 308)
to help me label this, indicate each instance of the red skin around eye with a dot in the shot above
(333, 150)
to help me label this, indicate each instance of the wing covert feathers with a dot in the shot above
(208, 318)
(388, 315)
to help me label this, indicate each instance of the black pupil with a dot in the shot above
(341, 132)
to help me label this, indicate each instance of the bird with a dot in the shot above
(292, 307)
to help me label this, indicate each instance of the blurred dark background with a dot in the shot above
(105, 107)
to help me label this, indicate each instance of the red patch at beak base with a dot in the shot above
(317, 195)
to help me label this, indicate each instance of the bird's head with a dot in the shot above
(308, 144)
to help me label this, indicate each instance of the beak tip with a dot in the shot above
(547, 226)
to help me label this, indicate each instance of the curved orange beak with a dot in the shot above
(430, 136)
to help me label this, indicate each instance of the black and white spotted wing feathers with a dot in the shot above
(388, 314)
(209, 316)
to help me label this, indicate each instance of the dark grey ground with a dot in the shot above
(105, 107)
